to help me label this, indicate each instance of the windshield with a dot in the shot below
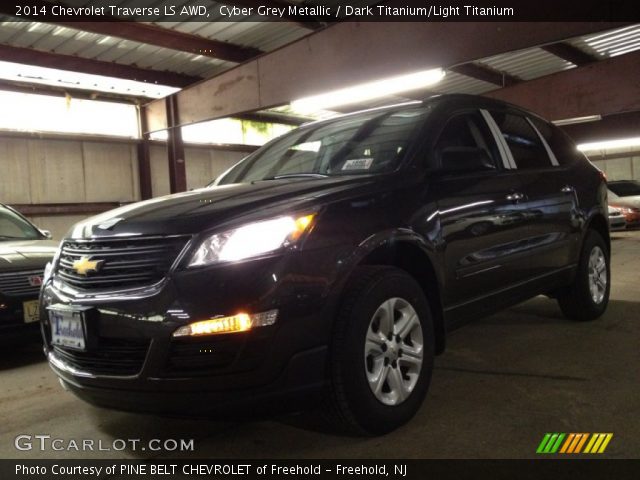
(625, 189)
(14, 227)
(370, 142)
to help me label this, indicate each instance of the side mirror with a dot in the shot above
(465, 159)
(47, 234)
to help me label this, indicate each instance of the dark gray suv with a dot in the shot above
(329, 264)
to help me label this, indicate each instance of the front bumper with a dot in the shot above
(133, 363)
(297, 385)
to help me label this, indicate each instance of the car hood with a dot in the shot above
(25, 254)
(206, 208)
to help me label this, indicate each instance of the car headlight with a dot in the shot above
(251, 240)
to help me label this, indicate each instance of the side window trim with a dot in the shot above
(503, 148)
(552, 156)
(471, 114)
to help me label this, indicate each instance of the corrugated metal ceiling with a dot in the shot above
(525, 64)
(70, 41)
(611, 43)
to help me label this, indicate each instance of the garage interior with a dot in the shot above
(194, 98)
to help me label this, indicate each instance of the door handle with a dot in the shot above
(514, 197)
(567, 189)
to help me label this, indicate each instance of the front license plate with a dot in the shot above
(31, 311)
(67, 328)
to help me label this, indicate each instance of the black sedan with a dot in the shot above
(24, 252)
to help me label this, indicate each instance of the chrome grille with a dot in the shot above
(17, 284)
(123, 263)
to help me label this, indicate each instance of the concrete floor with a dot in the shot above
(502, 383)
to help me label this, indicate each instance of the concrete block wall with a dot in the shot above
(623, 168)
(202, 165)
(61, 171)
(37, 170)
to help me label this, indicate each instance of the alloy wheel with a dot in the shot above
(393, 353)
(597, 275)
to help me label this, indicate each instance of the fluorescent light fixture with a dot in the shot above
(575, 120)
(369, 91)
(610, 144)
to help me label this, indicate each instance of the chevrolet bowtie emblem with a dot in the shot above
(85, 265)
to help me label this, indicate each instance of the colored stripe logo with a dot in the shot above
(574, 443)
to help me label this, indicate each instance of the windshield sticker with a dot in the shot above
(358, 164)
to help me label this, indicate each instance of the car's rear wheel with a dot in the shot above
(587, 298)
(381, 355)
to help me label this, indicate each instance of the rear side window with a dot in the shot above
(559, 142)
(467, 130)
(526, 147)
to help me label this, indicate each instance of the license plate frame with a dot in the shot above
(68, 326)
(31, 311)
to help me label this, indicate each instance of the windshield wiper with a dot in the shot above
(296, 175)
(8, 237)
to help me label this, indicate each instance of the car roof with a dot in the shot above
(454, 100)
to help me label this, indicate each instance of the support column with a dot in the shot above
(144, 156)
(175, 148)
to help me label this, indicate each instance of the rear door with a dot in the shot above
(481, 213)
(550, 200)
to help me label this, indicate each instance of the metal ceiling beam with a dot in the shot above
(274, 117)
(276, 4)
(350, 53)
(602, 88)
(163, 37)
(96, 67)
(568, 52)
(486, 74)
(611, 127)
(143, 33)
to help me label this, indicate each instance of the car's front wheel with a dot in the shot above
(587, 298)
(381, 356)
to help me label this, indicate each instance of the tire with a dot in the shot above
(355, 369)
(578, 301)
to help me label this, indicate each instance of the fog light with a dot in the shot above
(235, 323)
